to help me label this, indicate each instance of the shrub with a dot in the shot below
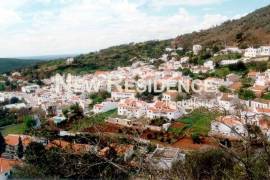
(196, 138)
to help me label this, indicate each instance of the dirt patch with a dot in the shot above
(187, 144)
(178, 125)
(106, 127)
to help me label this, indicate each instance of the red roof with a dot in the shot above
(7, 164)
(13, 139)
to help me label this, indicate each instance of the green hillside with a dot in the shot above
(9, 64)
(250, 30)
(105, 59)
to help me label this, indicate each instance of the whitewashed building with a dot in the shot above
(118, 95)
(164, 157)
(132, 108)
(229, 127)
(163, 109)
(30, 88)
(196, 49)
(256, 52)
(105, 107)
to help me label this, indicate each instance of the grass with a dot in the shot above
(14, 129)
(179, 131)
(199, 121)
(92, 120)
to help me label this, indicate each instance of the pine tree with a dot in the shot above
(2, 144)
(20, 148)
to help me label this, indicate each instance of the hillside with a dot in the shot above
(250, 30)
(10, 64)
(105, 59)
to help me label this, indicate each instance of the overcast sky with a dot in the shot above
(43, 27)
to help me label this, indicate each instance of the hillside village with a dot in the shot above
(233, 93)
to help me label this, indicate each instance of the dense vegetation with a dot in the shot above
(106, 59)
(41, 162)
(7, 64)
(250, 30)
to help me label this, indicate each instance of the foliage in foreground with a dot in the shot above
(55, 162)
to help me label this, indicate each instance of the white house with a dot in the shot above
(132, 107)
(104, 107)
(212, 84)
(260, 103)
(227, 101)
(184, 59)
(265, 50)
(2, 97)
(15, 106)
(69, 61)
(164, 157)
(196, 49)
(232, 50)
(230, 61)
(228, 127)
(118, 95)
(251, 52)
(119, 121)
(30, 88)
(170, 95)
(256, 52)
(209, 64)
(168, 49)
(163, 109)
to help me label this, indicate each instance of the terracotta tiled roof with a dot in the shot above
(235, 86)
(161, 106)
(229, 120)
(132, 103)
(258, 88)
(263, 110)
(7, 164)
(101, 73)
(226, 97)
(264, 124)
(13, 139)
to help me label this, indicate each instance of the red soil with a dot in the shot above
(187, 144)
(107, 127)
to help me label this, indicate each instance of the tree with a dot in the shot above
(35, 154)
(238, 67)
(224, 89)
(2, 144)
(74, 112)
(14, 100)
(247, 82)
(2, 87)
(29, 122)
(266, 96)
(20, 151)
(246, 94)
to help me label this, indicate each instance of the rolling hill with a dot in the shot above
(250, 30)
(10, 64)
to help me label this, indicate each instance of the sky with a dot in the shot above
(47, 27)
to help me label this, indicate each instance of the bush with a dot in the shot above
(246, 94)
(224, 89)
(196, 138)
(266, 96)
